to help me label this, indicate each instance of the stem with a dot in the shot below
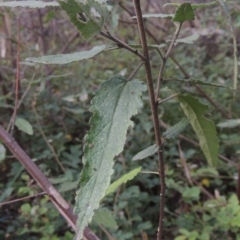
(135, 71)
(142, 33)
(62, 206)
(160, 75)
(122, 44)
(45, 139)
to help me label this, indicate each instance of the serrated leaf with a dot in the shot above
(146, 153)
(113, 106)
(125, 178)
(194, 6)
(23, 125)
(204, 128)
(184, 13)
(2, 152)
(89, 16)
(173, 131)
(104, 217)
(68, 58)
(229, 123)
(29, 4)
(188, 40)
(156, 15)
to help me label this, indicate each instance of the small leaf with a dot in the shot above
(30, 4)
(194, 6)
(126, 177)
(188, 40)
(146, 153)
(2, 152)
(173, 131)
(23, 125)
(184, 13)
(89, 16)
(156, 15)
(229, 123)
(113, 106)
(204, 128)
(68, 58)
(104, 217)
(195, 81)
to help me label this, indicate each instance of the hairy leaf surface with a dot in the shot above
(204, 128)
(68, 58)
(113, 106)
(30, 4)
(88, 16)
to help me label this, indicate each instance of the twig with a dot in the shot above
(21, 100)
(135, 71)
(168, 98)
(17, 81)
(45, 138)
(23, 198)
(122, 44)
(157, 133)
(160, 75)
(62, 206)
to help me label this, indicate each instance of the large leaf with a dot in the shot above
(184, 13)
(30, 4)
(113, 106)
(204, 128)
(88, 16)
(126, 177)
(68, 58)
(149, 151)
(173, 131)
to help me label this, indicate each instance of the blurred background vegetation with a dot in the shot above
(201, 202)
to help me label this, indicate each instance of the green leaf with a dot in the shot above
(156, 15)
(194, 6)
(2, 152)
(89, 16)
(229, 123)
(104, 217)
(188, 40)
(68, 58)
(184, 13)
(195, 81)
(235, 51)
(173, 131)
(146, 153)
(126, 177)
(204, 128)
(113, 106)
(30, 4)
(23, 125)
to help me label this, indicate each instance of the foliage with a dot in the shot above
(56, 109)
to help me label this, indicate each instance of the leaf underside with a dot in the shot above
(68, 58)
(113, 106)
(204, 128)
(147, 152)
(29, 4)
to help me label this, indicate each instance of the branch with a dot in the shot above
(59, 202)
(157, 133)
